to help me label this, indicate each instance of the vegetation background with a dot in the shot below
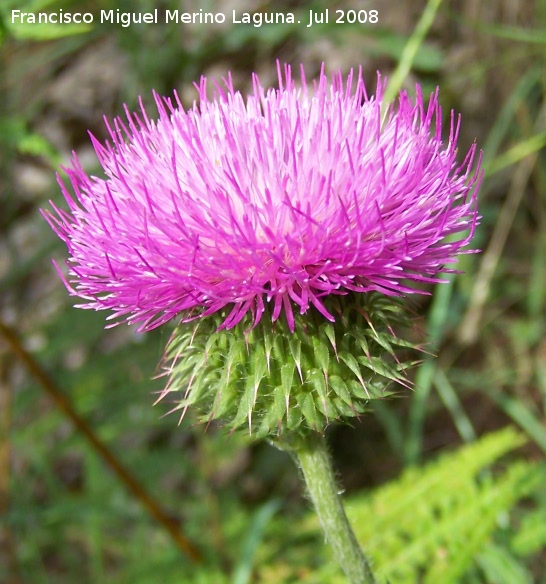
(170, 493)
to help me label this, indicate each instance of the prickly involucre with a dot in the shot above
(281, 204)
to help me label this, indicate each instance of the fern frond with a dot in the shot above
(434, 524)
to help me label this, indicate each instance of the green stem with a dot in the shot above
(312, 456)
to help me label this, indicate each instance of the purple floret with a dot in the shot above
(284, 198)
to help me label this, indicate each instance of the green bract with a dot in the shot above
(269, 379)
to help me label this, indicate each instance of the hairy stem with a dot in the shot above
(311, 455)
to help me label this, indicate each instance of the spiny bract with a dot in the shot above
(272, 380)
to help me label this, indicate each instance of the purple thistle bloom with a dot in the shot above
(287, 197)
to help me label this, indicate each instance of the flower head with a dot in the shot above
(287, 197)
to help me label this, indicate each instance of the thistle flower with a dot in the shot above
(318, 202)
(289, 197)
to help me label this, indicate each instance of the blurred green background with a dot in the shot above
(445, 484)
